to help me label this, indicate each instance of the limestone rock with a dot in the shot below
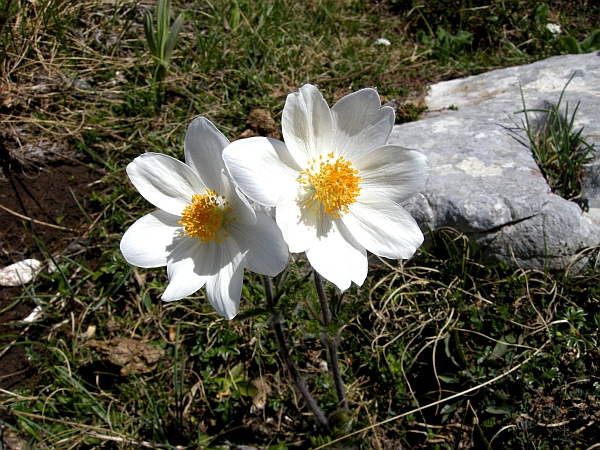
(485, 181)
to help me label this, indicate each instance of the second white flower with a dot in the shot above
(336, 185)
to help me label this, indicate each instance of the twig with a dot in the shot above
(34, 220)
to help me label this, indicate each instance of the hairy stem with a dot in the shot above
(287, 357)
(332, 344)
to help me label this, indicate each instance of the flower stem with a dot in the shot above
(332, 344)
(285, 354)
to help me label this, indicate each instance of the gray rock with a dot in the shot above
(485, 181)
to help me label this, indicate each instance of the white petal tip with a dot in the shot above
(168, 299)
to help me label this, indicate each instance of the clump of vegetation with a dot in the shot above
(510, 31)
(162, 42)
(444, 45)
(558, 148)
(590, 44)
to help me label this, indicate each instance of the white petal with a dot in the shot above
(267, 251)
(240, 208)
(306, 124)
(188, 267)
(360, 124)
(383, 227)
(298, 224)
(164, 181)
(224, 289)
(203, 147)
(339, 258)
(393, 172)
(150, 240)
(262, 167)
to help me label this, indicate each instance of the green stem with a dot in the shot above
(287, 357)
(332, 344)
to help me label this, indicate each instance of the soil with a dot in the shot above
(41, 213)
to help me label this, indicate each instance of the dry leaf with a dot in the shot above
(260, 123)
(137, 357)
(260, 400)
(89, 333)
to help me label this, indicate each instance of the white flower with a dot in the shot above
(204, 231)
(383, 41)
(336, 186)
(554, 29)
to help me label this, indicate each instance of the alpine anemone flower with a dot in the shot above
(204, 231)
(336, 185)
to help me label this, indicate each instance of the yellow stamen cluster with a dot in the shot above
(334, 184)
(207, 218)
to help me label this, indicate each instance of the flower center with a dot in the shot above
(207, 217)
(333, 184)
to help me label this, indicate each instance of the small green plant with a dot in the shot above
(541, 16)
(445, 45)
(162, 42)
(559, 150)
(574, 330)
(590, 44)
(234, 16)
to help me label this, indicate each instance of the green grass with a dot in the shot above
(80, 74)
(559, 149)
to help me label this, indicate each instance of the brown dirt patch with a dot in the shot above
(48, 203)
(42, 211)
(13, 361)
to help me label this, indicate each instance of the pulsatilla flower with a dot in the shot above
(204, 231)
(336, 185)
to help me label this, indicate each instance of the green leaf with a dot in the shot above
(163, 18)
(570, 44)
(462, 38)
(149, 31)
(247, 389)
(448, 379)
(148, 302)
(236, 370)
(590, 43)
(502, 410)
(501, 348)
(205, 439)
(172, 39)
(480, 439)
(26, 426)
(541, 15)
(277, 447)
